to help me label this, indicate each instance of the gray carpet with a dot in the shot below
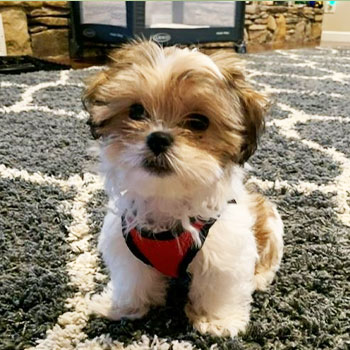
(52, 207)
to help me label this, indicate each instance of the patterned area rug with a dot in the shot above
(52, 206)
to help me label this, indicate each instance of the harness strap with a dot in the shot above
(168, 252)
(171, 251)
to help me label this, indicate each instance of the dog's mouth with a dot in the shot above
(159, 165)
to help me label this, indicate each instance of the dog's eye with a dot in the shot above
(137, 112)
(197, 122)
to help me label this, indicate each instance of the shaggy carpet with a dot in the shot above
(52, 206)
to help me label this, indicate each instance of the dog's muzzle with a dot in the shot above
(157, 161)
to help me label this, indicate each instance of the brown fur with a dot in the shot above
(253, 104)
(136, 75)
(265, 239)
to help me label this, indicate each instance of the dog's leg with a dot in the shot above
(222, 275)
(134, 286)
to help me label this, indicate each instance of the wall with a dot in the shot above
(336, 26)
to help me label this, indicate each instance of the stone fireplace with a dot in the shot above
(275, 26)
(38, 28)
(41, 28)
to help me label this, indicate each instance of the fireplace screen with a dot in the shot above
(167, 22)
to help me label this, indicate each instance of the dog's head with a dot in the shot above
(174, 116)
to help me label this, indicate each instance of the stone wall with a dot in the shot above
(40, 28)
(274, 26)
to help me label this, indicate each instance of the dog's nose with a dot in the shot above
(159, 142)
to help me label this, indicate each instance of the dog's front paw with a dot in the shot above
(228, 326)
(220, 327)
(102, 305)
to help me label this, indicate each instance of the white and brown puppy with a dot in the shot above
(175, 128)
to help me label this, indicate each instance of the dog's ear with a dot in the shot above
(253, 104)
(93, 102)
(101, 89)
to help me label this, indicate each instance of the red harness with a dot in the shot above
(170, 252)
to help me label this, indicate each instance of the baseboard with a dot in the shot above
(336, 36)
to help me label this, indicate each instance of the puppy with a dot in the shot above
(175, 128)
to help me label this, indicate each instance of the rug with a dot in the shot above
(52, 205)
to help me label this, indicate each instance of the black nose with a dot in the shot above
(159, 142)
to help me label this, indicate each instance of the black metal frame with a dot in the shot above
(116, 35)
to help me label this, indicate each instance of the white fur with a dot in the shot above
(203, 190)
(134, 286)
(222, 272)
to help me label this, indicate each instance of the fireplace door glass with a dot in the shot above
(104, 12)
(190, 14)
